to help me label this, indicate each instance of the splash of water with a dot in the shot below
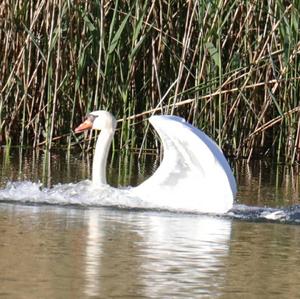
(84, 194)
(282, 215)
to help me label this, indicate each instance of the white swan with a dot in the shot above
(194, 174)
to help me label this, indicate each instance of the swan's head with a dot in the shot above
(98, 120)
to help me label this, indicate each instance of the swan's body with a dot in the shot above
(193, 166)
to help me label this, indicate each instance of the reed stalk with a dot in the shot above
(230, 67)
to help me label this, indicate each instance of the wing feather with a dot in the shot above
(194, 174)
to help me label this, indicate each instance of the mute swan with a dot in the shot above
(194, 173)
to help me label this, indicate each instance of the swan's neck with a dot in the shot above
(100, 157)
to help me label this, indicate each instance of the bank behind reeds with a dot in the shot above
(230, 67)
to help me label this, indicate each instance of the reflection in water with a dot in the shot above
(154, 255)
(264, 184)
(53, 252)
(93, 253)
(65, 252)
(185, 251)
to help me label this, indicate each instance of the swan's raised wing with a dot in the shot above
(193, 175)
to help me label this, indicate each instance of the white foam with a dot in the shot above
(277, 215)
(82, 193)
(85, 194)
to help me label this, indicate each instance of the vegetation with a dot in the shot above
(231, 67)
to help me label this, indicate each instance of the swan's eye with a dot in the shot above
(91, 117)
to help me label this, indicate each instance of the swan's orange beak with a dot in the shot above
(86, 125)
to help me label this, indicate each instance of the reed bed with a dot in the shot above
(231, 67)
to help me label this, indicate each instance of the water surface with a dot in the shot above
(85, 251)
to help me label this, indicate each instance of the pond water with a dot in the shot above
(56, 243)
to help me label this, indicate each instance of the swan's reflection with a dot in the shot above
(93, 253)
(186, 254)
(154, 254)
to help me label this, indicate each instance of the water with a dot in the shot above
(76, 249)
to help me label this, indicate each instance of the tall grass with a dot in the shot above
(231, 67)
